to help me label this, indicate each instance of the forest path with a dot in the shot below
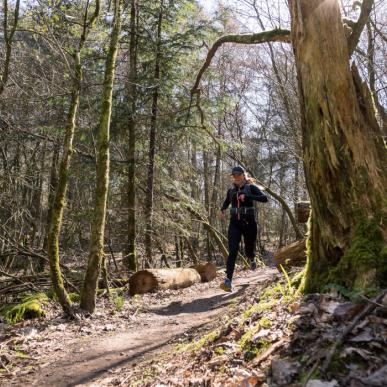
(87, 360)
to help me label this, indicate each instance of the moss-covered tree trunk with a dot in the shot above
(131, 260)
(344, 156)
(55, 221)
(96, 252)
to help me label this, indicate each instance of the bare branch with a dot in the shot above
(276, 35)
(358, 27)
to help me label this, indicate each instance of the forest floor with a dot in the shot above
(261, 334)
(53, 351)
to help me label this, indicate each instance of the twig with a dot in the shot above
(371, 301)
(310, 373)
(18, 280)
(268, 352)
(367, 310)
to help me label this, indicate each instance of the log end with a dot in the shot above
(293, 254)
(142, 282)
(206, 270)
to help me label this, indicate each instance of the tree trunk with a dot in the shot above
(206, 173)
(372, 78)
(152, 147)
(60, 195)
(150, 280)
(8, 35)
(131, 259)
(98, 226)
(344, 156)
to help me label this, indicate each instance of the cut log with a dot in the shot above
(293, 254)
(207, 271)
(303, 211)
(151, 280)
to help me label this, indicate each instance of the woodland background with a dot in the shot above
(248, 114)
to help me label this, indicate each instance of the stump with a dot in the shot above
(303, 211)
(150, 280)
(207, 271)
(293, 254)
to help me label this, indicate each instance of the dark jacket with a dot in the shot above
(234, 191)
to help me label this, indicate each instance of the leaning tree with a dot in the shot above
(343, 149)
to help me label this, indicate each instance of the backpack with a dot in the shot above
(246, 190)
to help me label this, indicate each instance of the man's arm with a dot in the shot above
(226, 203)
(256, 194)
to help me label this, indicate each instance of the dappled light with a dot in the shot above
(193, 193)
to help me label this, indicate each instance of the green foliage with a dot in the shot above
(355, 295)
(290, 289)
(119, 302)
(30, 307)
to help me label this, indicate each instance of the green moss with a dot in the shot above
(30, 307)
(219, 350)
(264, 322)
(75, 297)
(365, 262)
(257, 308)
(198, 344)
(119, 302)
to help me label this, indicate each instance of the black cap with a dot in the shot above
(237, 170)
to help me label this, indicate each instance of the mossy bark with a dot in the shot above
(89, 290)
(60, 194)
(344, 155)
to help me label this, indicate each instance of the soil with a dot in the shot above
(157, 323)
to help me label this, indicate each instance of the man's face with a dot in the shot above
(238, 178)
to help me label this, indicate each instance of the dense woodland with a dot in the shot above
(117, 140)
(120, 122)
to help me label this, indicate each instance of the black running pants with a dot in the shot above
(246, 227)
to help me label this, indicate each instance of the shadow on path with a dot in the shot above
(200, 305)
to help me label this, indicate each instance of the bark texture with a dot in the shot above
(152, 147)
(131, 259)
(293, 254)
(96, 252)
(150, 280)
(344, 156)
(58, 205)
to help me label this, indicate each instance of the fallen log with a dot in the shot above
(206, 270)
(293, 254)
(303, 211)
(150, 280)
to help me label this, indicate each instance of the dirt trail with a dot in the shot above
(88, 360)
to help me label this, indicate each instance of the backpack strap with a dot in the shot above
(231, 192)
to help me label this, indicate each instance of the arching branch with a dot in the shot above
(358, 27)
(276, 35)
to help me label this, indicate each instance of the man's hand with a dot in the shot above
(221, 215)
(242, 197)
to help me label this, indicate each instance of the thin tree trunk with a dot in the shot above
(372, 79)
(206, 173)
(131, 259)
(60, 195)
(96, 252)
(8, 40)
(152, 147)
